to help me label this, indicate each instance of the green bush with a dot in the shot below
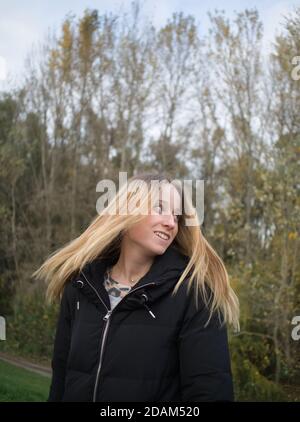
(249, 383)
(31, 329)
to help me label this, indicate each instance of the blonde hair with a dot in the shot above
(103, 238)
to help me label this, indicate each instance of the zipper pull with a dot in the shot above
(145, 299)
(150, 312)
(105, 318)
(77, 305)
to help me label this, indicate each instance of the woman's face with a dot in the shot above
(157, 231)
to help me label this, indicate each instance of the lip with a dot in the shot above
(160, 238)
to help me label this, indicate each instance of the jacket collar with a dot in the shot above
(159, 280)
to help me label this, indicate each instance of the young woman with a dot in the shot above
(145, 302)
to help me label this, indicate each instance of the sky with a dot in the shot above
(23, 24)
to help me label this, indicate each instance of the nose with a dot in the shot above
(169, 220)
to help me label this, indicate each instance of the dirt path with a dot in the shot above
(22, 363)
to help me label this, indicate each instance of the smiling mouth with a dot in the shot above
(162, 236)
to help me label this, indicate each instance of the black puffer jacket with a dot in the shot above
(151, 348)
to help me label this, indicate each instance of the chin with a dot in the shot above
(157, 249)
(162, 250)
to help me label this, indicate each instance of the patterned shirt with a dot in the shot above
(116, 291)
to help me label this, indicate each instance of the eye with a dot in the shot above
(159, 206)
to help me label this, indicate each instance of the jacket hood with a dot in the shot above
(162, 276)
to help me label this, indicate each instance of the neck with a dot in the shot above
(132, 264)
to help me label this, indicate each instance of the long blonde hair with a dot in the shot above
(103, 237)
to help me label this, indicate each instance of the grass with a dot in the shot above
(21, 385)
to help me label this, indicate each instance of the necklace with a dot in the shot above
(109, 271)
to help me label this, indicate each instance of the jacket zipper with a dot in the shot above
(106, 319)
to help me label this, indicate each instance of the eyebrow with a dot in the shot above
(165, 202)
